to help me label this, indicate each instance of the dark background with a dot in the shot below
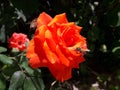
(100, 20)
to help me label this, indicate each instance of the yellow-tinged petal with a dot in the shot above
(49, 54)
(50, 41)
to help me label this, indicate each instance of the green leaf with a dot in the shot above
(39, 82)
(29, 84)
(116, 50)
(27, 68)
(118, 22)
(34, 83)
(17, 80)
(2, 49)
(2, 82)
(5, 59)
(27, 6)
(8, 70)
(2, 34)
(2, 85)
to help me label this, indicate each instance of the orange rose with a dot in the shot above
(57, 45)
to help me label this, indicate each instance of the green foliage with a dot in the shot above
(20, 74)
(2, 49)
(5, 60)
(2, 83)
(35, 83)
(17, 80)
(26, 6)
(100, 20)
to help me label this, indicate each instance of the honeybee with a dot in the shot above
(79, 50)
(33, 24)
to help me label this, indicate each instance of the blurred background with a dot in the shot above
(100, 20)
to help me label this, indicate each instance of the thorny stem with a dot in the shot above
(20, 66)
(22, 70)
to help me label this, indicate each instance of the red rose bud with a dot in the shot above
(18, 40)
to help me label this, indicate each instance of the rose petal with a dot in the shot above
(62, 57)
(50, 41)
(49, 54)
(60, 72)
(61, 18)
(43, 19)
(18, 40)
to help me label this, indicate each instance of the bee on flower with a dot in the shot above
(80, 50)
